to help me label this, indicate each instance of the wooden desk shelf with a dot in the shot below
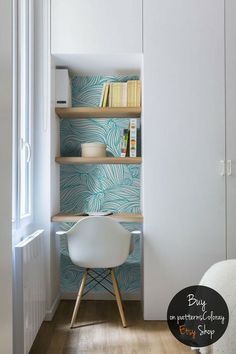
(121, 217)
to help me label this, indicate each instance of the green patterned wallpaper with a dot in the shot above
(97, 187)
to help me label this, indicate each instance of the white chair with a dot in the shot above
(98, 242)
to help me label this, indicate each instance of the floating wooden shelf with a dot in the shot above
(121, 217)
(98, 112)
(98, 160)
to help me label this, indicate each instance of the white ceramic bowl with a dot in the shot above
(93, 150)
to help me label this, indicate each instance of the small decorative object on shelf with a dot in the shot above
(93, 150)
(63, 88)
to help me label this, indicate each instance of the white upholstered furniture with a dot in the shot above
(222, 278)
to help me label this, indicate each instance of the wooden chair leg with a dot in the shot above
(79, 297)
(118, 297)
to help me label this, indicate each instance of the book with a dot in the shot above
(133, 138)
(139, 142)
(106, 93)
(133, 93)
(118, 94)
(102, 95)
(113, 94)
(124, 143)
(138, 93)
(122, 101)
(110, 95)
(129, 93)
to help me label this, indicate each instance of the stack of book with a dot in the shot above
(121, 94)
(129, 145)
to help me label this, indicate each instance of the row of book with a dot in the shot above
(129, 140)
(121, 94)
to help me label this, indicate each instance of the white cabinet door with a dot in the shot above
(184, 141)
(96, 26)
(231, 125)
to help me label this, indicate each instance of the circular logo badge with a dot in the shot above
(198, 316)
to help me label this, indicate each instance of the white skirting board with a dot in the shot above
(51, 312)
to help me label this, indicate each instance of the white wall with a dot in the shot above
(5, 177)
(96, 26)
(55, 187)
(46, 130)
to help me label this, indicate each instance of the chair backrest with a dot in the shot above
(98, 242)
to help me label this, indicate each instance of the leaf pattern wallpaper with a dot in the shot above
(97, 187)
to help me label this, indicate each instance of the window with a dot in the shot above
(23, 111)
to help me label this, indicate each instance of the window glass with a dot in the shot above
(23, 109)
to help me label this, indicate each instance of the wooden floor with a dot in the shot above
(99, 331)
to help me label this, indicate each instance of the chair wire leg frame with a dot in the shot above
(99, 278)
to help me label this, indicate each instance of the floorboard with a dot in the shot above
(98, 330)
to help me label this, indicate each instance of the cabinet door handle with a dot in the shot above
(28, 147)
(229, 167)
(222, 168)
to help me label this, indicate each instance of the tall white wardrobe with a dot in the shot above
(189, 144)
(188, 49)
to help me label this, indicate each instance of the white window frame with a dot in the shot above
(14, 117)
(23, 94)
